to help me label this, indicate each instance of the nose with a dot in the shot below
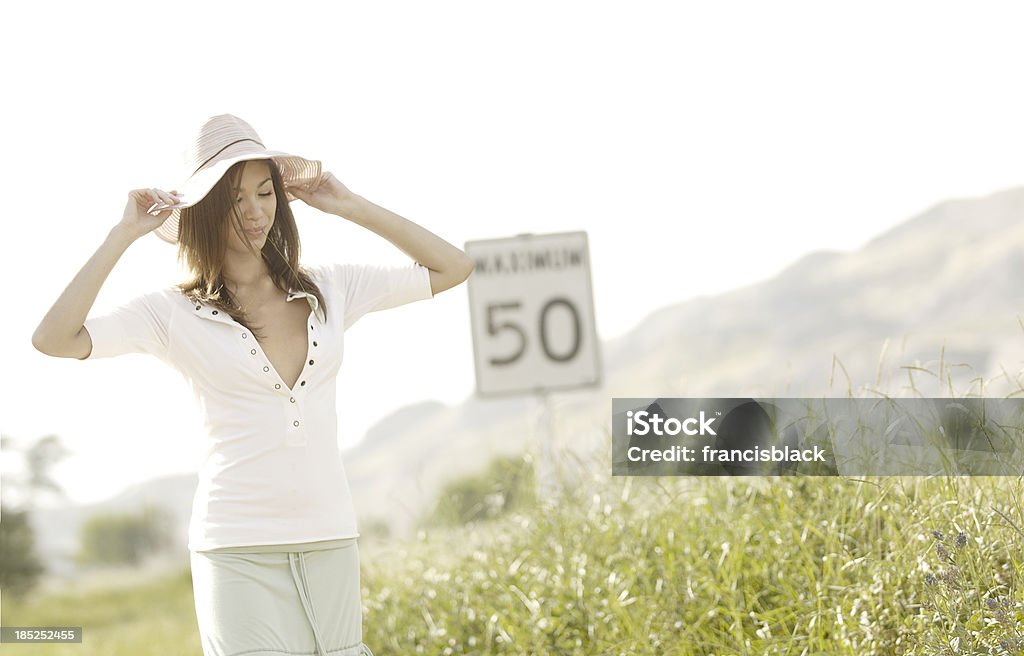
(250, 210)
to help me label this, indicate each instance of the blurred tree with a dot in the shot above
(20, 567)
(506, 485)
(109, 538)
(39, 459)
(37, 480)
(374, 528)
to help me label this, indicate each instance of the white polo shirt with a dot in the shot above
(271, 472)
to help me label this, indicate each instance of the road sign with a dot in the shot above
(532, 313)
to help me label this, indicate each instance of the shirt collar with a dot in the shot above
(209, 312)
(314, 304)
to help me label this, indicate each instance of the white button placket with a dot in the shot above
(295, 431)
(295, 434)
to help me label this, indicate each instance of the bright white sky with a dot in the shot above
(702, 146)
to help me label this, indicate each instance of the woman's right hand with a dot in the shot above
(137, 220)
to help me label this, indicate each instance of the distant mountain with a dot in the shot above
(944, 283)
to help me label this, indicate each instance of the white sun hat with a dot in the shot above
(220, 142)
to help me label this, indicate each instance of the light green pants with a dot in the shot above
(280, 600)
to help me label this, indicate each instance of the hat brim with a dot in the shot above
(295, 171)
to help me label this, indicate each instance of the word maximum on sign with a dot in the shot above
(528, 261)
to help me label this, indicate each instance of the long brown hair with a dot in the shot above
(202, 245)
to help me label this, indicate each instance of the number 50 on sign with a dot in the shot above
(532, 313)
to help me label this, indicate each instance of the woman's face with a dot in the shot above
(257, 205)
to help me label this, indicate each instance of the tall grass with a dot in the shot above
(714, 566)
(783, 565)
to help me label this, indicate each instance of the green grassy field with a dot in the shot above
(661, 566)
(152, 618)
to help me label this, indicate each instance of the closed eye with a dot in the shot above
(269, 193)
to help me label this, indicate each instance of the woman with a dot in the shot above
(272, 537)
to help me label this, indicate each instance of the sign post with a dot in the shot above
(532, 317)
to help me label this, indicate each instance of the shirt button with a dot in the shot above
(253, 351)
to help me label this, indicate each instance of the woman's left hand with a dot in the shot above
(326, 194)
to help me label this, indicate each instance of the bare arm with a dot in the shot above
(61, 333)
(448, 265)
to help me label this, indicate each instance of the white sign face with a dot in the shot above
(532, 312)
